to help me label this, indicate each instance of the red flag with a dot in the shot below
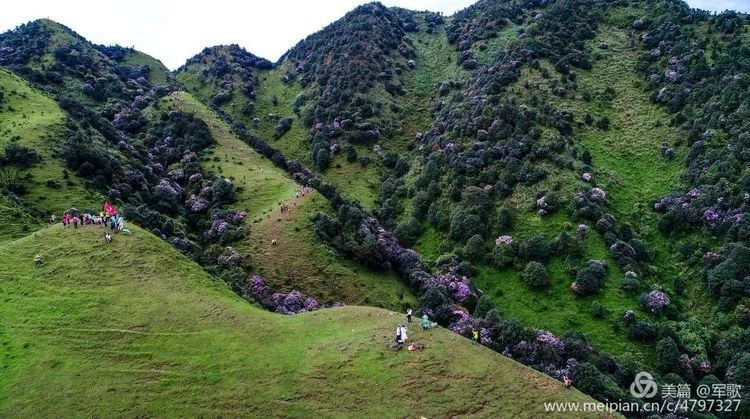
(109, 209)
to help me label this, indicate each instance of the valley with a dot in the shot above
(560, 187)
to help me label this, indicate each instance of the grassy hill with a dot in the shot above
(32, 119)
(300, 261)
(564, 134)
(158, 75)
(135, 329)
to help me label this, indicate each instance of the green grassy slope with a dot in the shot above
(627, 164)
(133, 328)
(159, 74)
(275, 98)
(263, 184)
(33, 119)
(300, 261)
(352, 179)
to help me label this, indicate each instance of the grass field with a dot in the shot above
(135, 329)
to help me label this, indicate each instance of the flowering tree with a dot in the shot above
(655, 301)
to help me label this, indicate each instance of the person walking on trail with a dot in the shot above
(38, 261)
(425, 322)
(475, 335)
(52, 219)
(567, 381)
(398, 334)
(408, 315)
(76, 221)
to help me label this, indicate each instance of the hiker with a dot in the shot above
(107, 238)
(403, 333)
(425, 322)
(398, 334)
(52, 219)
(274, 242)
(475, 335)
(408, 315)
(38, 261)
(76, 221)
(567, 381)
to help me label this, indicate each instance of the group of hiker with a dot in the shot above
(401, 334)
(426, 324)
(303, 190)
(401, 337)
(106, 218)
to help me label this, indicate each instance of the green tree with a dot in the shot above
(535, 275)
(534, 248)
(474, 248)
(484, 306)
(668, 355)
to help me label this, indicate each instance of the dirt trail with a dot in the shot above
(273, 226)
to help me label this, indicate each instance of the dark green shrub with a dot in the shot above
(535, 275)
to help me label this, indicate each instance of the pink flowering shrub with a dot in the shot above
(504, 240)
(598, 194)
(546, 338)
(655, 301)
(711, 217)
(292, 303)
(230, 257)
(629, 315)
(195, 204)
(226, 227)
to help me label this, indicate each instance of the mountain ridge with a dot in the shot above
(552, 164)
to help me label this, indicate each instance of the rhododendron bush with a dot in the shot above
(293, 302)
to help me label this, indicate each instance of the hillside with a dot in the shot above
(143, 331)
(566, 177)
(300, 261)
(33, 120)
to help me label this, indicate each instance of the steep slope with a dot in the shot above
(300, 260)
(543, 172)
(224, 75)
(336, 100)
(143, 331)
(33, 120)
(577, 165)
(157, 73)
(52, 54)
